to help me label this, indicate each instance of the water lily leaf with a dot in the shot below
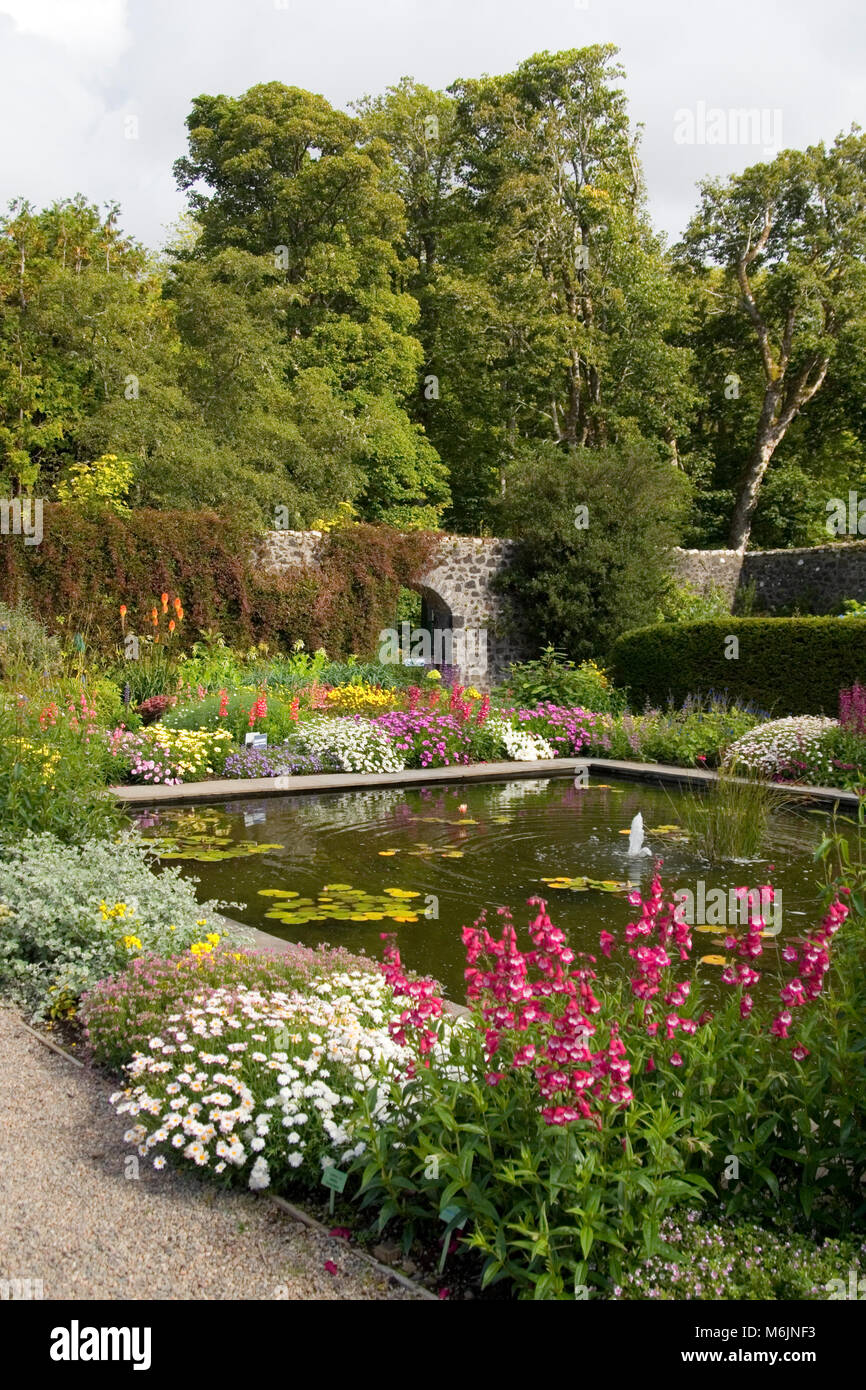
(581, 884)
(402, 893)
(452, 854)
(665, 830)
(337, 887)
(713, 960)
(277, 893)
(386, 853)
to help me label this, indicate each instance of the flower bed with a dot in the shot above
(554, 1138)
(72, 914)
(260, 1084)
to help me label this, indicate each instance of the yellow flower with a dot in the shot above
(434, 675)
(132, 943)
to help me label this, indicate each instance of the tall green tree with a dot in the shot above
(547, 304)
(280, 175)
(790, 239)
(73, 291)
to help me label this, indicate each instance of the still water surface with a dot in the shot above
(436, 856)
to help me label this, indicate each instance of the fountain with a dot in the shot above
(636, 845)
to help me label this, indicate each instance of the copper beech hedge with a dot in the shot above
(88, 564)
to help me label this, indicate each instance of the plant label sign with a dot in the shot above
(335, 1179)
(255, 740)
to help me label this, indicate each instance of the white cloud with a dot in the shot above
(94, 29)
(74, 69)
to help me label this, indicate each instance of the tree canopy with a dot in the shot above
(384, 312)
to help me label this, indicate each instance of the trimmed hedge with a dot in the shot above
(784, 665)
(87, 565)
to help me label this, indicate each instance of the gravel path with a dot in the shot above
(72, 1219)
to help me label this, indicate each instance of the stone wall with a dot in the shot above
(477, 627)
(818, 578)
(483, 632)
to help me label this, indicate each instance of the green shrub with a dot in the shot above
(695, 735)
(683, 603)
(783, 665)
(25, 643)
(736, 1259)
(73, 914)
(553, 677)
(595, 530)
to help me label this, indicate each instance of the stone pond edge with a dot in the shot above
(254, 788)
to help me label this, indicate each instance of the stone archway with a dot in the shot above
(437, 620)
(458, 598)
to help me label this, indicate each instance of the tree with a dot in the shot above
(546, 302)
(595, 531)
(291, 185)
(790, 238)
(70, 285)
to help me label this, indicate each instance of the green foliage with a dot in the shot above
(785, 665)
(547, 307)
(595, 530)
(726, 1259)
(25, 642)
(730, 819)
(845, 752)
(553, 677)
(776, 257)
(58, 939)
(291, 190)
(683, 603)
(53, 770)
(101, 484)
(204, 714)
(88, 565)
(695, 735)
(549, 1210)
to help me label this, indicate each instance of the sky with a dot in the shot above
(95, 92)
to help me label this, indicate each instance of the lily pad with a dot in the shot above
(582, 884)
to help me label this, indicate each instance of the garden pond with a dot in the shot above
(422, 862)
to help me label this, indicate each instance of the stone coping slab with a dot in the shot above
(254, 788)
